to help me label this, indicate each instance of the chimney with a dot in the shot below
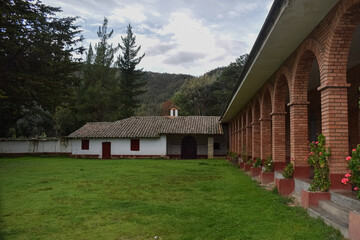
(174, 112)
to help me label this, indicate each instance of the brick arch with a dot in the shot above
(265, 123)
(255, 127)
(249, 130)
(243, 130)
(345, 21)
(280, 118)
(282, 84)
(311, 50)
(265, 101)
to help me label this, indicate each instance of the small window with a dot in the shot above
(216, 146)
(84, 144)
(135, 144)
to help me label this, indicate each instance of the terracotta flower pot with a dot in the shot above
(247, 167)
(354, 225)
(266, 177)
(285, 186)
(311, 199)
(255, 171)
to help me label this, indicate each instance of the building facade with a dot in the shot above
(302, 79)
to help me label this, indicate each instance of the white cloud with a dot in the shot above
(184, 36)
(133, 13)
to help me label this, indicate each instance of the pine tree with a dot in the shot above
(130, 85)
(99, 88)
(36, 59)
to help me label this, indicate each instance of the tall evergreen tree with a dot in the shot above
(36, 59)
(130, 85)
(99, 88)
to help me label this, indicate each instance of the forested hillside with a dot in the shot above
(160, 87)
(208, 94)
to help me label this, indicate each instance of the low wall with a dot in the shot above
(35, 146)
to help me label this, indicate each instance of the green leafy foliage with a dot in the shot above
(37, 62)
(288, 171)
(269, 165)
(353, 174)
(208, 94)
(160, 88)
(257, 162)
(318, 158)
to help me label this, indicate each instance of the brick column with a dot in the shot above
(278, 140)
(299, 138)
(255, 139)
(243, 140)
(249, 140)
(334, 118)
(237, 136)
(265, 138)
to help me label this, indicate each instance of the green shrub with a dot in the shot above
(318, 158)
(353, 175)
(288, 171)
(258, 162)
(269, 165)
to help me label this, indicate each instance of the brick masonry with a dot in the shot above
(286, 100)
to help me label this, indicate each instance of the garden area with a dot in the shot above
(67, 198)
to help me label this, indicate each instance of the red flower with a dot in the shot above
(320, 153)
(354, 150)
(348, 158)
(344, 181)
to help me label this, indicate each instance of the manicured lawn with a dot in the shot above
(65, 198)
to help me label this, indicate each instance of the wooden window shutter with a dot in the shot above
(135, 144)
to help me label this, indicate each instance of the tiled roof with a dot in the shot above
(150, 127)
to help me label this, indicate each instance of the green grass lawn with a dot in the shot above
(66, 198)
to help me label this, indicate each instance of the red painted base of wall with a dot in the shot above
(354, 225)
(301, 172)
(85, 156)
(135, 156)
(336, 184)
(53, 154)
(266, 177)
(285, 186)
(255, 171)
(311, 199)
(279, 166)
(247, 167)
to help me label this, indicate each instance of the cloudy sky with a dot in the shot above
(182, 36)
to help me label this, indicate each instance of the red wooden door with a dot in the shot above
(106, 150)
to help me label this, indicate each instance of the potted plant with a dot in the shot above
(318, 158)
(267, 174)
(248, 164)
(256, 168)
(232, 157)
(286, 185)
(244, 157)
(353, 175)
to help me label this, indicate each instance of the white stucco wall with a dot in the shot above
(34, 146)
(148, 146)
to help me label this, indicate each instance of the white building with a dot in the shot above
(172, 136)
